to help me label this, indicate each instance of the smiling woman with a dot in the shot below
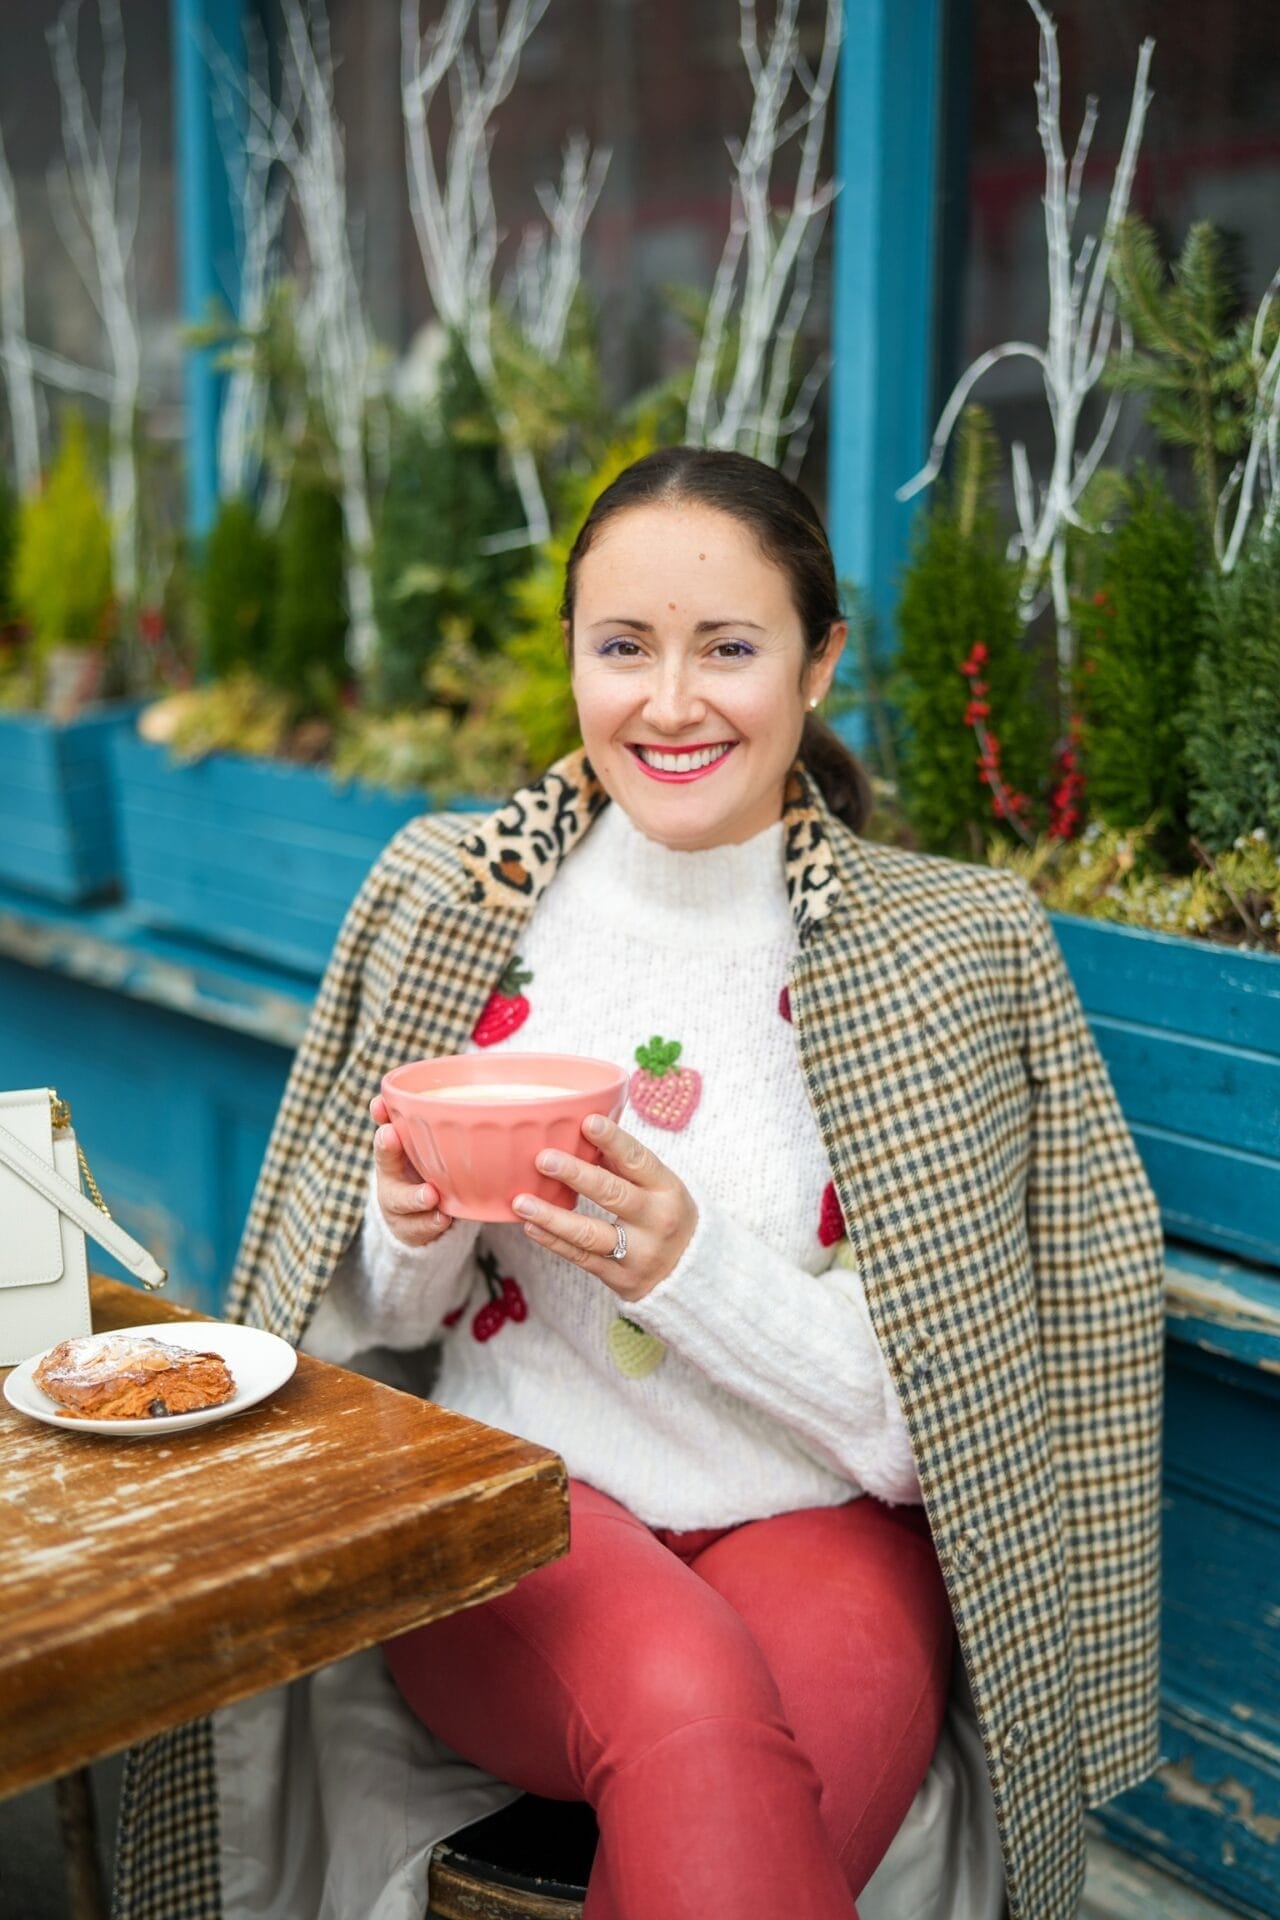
(731, 637)
(849, 1338)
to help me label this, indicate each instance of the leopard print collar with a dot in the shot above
(514, 854)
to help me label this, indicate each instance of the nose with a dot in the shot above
(671, 704)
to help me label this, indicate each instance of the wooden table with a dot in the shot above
(145, 1582)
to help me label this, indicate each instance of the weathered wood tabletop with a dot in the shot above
(145, 1582)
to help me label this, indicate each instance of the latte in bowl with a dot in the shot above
(473, 1126)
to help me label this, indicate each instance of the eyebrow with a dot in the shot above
(646, 626)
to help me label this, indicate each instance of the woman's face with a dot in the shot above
(687, 645)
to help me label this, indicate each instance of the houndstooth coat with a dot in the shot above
(1008, 1238)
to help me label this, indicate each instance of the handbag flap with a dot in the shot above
(30, 1230)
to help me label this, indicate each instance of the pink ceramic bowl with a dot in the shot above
(478, 1147)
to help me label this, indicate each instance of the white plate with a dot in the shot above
(259, 1362)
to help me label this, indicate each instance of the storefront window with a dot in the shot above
(1210, 151)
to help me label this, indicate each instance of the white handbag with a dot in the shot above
(44, 1216)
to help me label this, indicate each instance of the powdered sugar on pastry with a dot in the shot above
(126, 1376)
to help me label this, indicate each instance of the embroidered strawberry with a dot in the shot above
(662, 1093)
(506, 1010)
(505, 1302)
(784, 1003)
(633, 1351)
(831, 1223)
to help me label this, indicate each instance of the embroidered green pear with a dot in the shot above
(633, 1351)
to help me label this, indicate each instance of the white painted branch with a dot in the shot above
(1262, 441)
(67, 375)
(19, 378)
(300, 130)
(763, 279)
(958, 400)
(98, 201)
(477, 52)
(1081, 323)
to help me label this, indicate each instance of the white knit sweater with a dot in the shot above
(750, 1381)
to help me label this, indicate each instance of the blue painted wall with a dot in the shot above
(889, 113)
(208, 251)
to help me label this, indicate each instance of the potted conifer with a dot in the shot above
(57, 837)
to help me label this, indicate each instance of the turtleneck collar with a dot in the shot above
(731, 896)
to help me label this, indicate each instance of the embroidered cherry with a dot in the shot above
(506, 1009)
(831, 1225)
(662, 1093)
(490, 1319)
(784, 1003)
(505, 1302)
(452, 1319)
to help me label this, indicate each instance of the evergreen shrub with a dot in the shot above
(1141, 635)
(960, 592)
(62, 561)
(1233, 742)
(306, 657)
(447, 494)
(237, 590)
(8, 542)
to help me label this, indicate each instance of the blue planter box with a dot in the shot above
(57, 827)
(257, 856)
(1191, 1036)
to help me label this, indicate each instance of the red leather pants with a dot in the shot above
(748, 1710)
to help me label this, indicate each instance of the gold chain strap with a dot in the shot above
(62, 1119)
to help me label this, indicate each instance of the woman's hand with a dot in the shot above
(410, 1209)
(654, 1206)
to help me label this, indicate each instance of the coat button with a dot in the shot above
(914, 1356)
(965, 1551)
(1015, 1742)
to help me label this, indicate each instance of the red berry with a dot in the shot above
(488, 1321)
(784, 1003)
(513, 1301)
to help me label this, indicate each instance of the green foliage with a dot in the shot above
(560, 411)
(238, 714)
(446, 494)
(1233, 743)
(306, 657)
(1140, 635)
(237, 589)
(8, 541)
(62, 562)
(453, 742)
(960, 591)
(537, 700)
(1113, 874)
(1194, 363)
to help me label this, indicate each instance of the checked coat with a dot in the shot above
(1008, 1240)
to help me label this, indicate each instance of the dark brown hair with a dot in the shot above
(788, 532)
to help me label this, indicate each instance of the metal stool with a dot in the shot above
(530, 1861)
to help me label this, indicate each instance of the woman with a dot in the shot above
(874, 1235)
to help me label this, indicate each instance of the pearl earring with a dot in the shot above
(812, 704)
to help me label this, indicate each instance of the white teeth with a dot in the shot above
(681, 762)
